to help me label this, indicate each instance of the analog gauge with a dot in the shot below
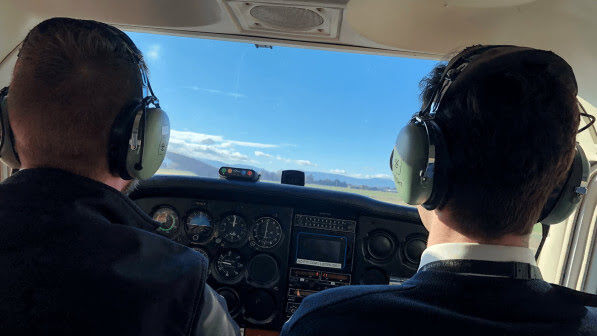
(229, 267)
(199, 227)
(167, 218)
(267, 232)
(234, 229)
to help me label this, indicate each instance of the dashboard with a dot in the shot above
(271, 245)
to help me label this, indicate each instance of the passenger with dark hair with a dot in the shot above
(509, 118)
(78, 257)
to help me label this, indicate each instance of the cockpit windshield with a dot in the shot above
(333, 115)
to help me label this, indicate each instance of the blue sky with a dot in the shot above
(282, 108)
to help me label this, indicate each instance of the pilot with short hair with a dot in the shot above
(78, 257)
(508, 117)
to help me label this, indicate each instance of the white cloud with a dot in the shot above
(298, 162)
(212, 147)
(218, 92)
(370, 176)
(359, 175)
(154, 52)
(219, 148)
(337, 171)
(278, 157)
(262, 154)
(380, 176)
(251, 144)
(305, 163)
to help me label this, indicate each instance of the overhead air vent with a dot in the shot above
(320, 20)
(294, 18)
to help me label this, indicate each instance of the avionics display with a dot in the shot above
(321, 250)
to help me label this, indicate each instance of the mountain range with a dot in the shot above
(209, 168)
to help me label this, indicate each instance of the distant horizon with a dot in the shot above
(387, 183)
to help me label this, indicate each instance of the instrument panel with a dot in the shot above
(247, 246)
(270, 246)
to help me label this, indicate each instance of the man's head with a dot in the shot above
(510, 127)
(71, 79)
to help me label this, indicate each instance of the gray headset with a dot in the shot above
(420, 160)
(138, 138)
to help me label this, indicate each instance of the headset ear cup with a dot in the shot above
(440, 167)
(120, 134)
(8, 155)
(409, 161)
(566, 196)
(144, 161)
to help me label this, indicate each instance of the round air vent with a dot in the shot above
(413, 248)
(232, 299)
(260, 307)
(287, 17)
(380, 245)
(263, 271)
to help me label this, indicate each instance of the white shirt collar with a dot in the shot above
(473, 251)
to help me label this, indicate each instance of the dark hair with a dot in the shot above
(510, 132)
(71, 79)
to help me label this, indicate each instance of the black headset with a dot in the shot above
(420, 159)
(139, 134)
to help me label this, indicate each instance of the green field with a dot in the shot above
(163, 171)
(384, 196)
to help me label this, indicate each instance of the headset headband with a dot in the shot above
(455, 67)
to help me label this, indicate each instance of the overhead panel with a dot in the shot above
(155, 13)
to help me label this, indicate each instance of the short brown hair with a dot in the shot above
(510, 133)
(71, 79)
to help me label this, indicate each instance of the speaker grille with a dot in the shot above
(287, 17)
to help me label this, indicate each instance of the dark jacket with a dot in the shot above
(436, 302)
(77, 257)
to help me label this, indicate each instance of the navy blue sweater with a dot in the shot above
(437, 302)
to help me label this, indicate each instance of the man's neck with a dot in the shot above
(441, 236)
(442, 230)
(103, 177)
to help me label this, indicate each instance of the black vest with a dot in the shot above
(77, 257)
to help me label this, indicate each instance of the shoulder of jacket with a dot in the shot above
(330, 300)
